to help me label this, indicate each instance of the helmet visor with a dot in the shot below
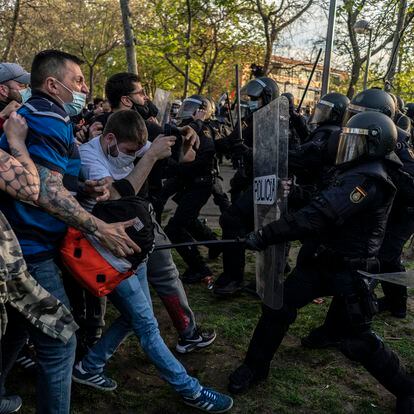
(352, 145)
(245, 109)
(253, 89)
(188, 108)
(322, 113)
(356, 109)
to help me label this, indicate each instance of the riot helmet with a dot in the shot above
(264, 89)
(410, 110)
(256, 94)
(192, 104)
(400, 104)
(213, 108)
(367, 136)
(330, 109)
(402, 121)
(291, 100)
(175, 107)
(375, 100)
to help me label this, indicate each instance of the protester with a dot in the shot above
(112, 156)
(59, 90)
(20, 294)
(125, 91)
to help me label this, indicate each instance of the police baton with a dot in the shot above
(200, 243)
(309, 80)
(229, 109)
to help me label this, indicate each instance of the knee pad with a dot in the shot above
(361, 347)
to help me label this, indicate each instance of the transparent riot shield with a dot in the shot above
(270, 154)
(162, 102)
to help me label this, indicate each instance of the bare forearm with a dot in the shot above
(57, 201)
(17, 177)
(140, 173)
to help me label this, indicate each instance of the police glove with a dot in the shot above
(254, 241)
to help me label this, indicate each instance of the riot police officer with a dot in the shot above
(237, 220)
(298, 130)
(195, 180)
(346, 221)
(400, 224)
(309, 163)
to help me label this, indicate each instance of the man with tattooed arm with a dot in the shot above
(58, 90)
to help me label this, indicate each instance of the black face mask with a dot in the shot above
(146, 111)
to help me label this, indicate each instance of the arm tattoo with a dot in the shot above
(17, 179)
(18, 155)
(57, 201)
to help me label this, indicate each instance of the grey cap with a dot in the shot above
(13, 71)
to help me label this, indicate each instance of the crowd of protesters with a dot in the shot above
(82, 192)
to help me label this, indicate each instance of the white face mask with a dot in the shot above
(78, 102)
(121, 160)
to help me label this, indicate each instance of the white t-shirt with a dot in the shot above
(94, 166)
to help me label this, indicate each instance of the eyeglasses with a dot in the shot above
(141, 92)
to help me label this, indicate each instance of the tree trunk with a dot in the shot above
(268, 57)
(91, 82)
(187, 52)
(129, 37)
(356, 69)
(12, 34)
(392, 65)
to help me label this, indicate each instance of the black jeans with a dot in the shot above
(237, 221)
(178, 229)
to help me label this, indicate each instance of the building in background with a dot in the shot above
(292, 75)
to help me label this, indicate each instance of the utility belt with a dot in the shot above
(362, 305)
(334, 259)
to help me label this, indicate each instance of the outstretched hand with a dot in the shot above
(114, 237)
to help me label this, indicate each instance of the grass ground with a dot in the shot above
(301, 381)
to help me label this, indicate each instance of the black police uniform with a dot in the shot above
(197, 179)
(400, 228)
(238, 219)
(350, 218)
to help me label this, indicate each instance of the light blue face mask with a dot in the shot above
(78, 102)
(253, 105)
(26, 94)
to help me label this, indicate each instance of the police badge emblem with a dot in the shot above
(357, 195)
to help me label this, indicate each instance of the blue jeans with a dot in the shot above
(54, 358)
(132, 298)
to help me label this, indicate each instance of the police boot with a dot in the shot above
(244, 377)
(397, 308)
(226, 286)
(394, 300)
(266, 339)
(320, 338)
(384, 365)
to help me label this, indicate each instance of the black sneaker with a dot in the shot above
(200, 339)
(319, 338)
(10, 404)
(242, 379)
(229, 289)
(195, 276)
